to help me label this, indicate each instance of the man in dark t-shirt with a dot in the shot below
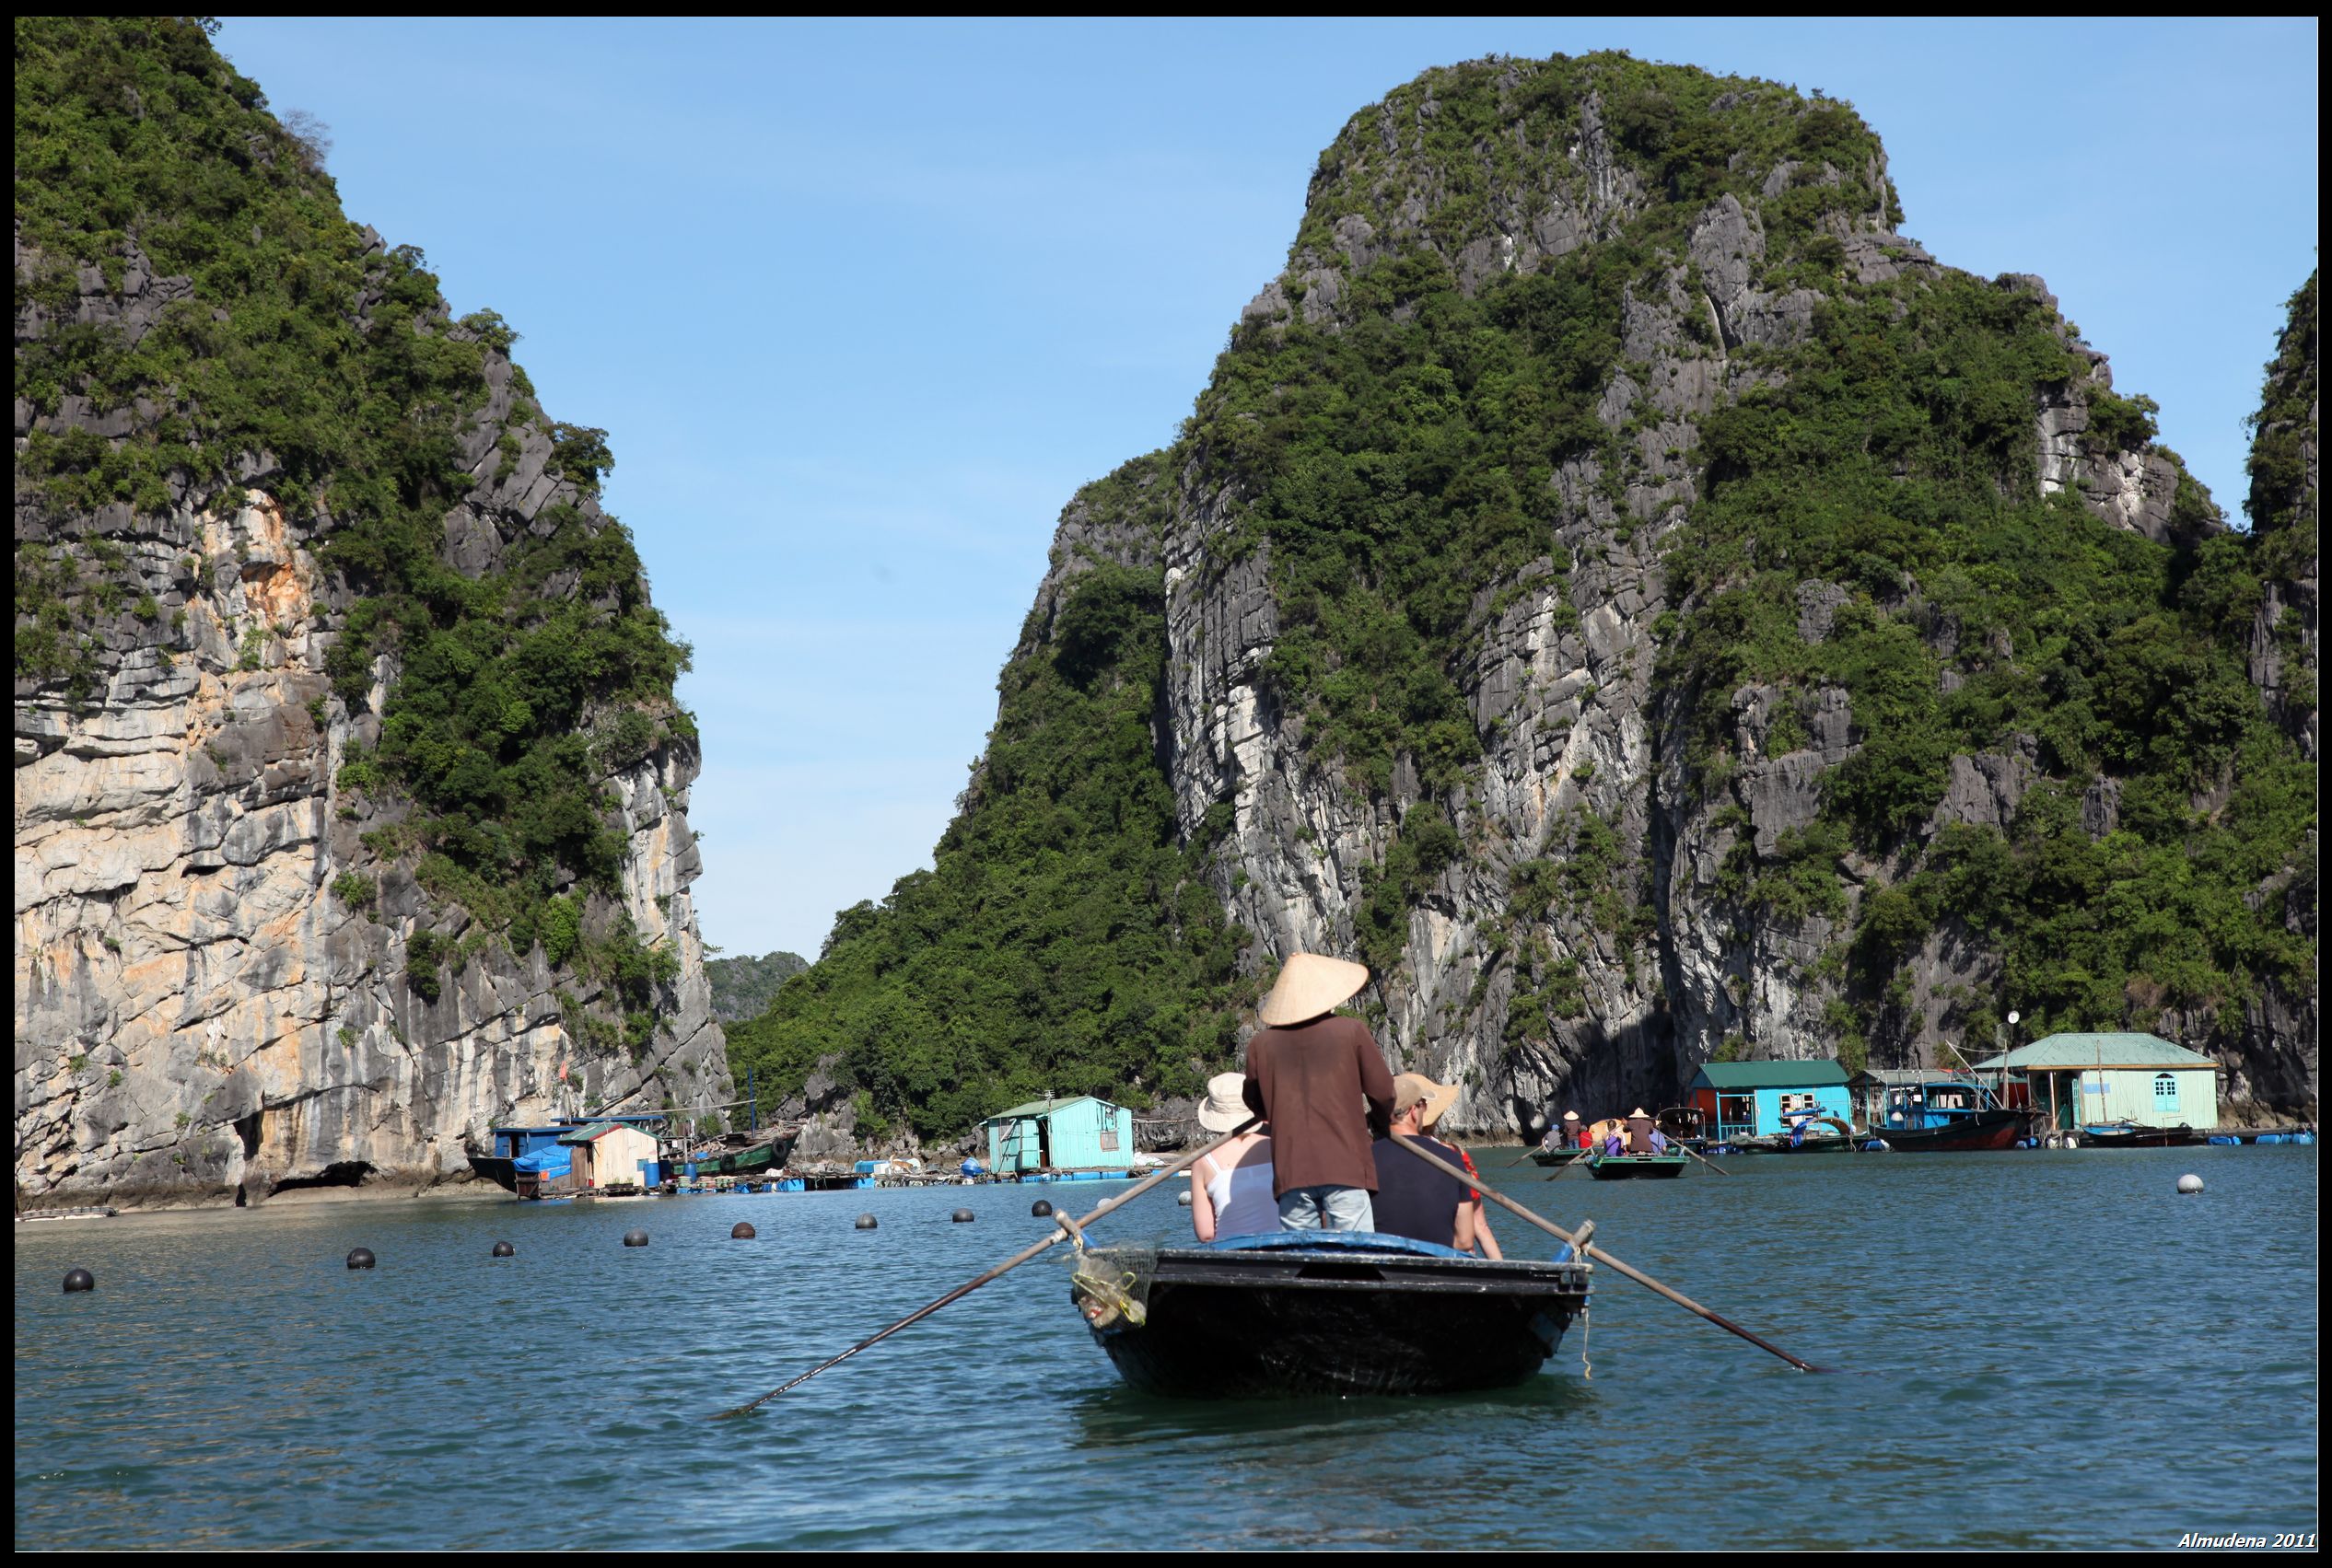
(1319, 1079)
(1413, 1199)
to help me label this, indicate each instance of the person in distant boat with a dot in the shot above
(1322, 1085)
(1658, 1142)
(1413, 1199)
(1639, 1131)
(1483, 1242)
(1564, 1134)
(1616, 1145)
(1231, 1188)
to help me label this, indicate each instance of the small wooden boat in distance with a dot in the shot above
(2131, 1135)
(1623, 1167)
(1323, 1312)
(1560, 1156)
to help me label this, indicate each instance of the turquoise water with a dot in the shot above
(2043, 1349)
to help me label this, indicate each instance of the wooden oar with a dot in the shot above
(1704, 1160)
(1597, 1253)
(1065, 1227)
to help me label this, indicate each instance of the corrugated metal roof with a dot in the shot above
(584, 1134)
(2071, 1050)
(1041, 1107)
(1772, 1075)
(1902, 1077)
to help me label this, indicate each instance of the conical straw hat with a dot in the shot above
(1639, 1110)
(1308, 985)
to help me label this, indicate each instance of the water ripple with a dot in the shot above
(2041, 1351)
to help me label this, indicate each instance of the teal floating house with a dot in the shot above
(1079, 1134)
(2087, 1080)
(1749, 1099)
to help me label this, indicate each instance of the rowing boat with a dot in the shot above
(1323, 1312)
(1623, 1167)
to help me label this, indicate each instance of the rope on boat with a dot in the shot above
(1109, 1294)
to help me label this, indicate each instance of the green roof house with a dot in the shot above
(2093, 1080)
(1741, 1099)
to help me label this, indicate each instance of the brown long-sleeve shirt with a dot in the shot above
(1324, 1088)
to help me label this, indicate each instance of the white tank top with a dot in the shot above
(1242, 1199)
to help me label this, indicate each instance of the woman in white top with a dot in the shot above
(1231, 1188)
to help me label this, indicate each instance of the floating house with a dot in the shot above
(1879, 1092)
(1752, 1100)
(1078, 1134)
(611, 1153)
(531, 1159)
(2091, 1080)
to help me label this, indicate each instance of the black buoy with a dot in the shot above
(361, 1257)
(1040, 1208)
(79, 1279)
(866, 1222)
(962, 1217)
(740, 1231)
(504, 1250)
(636, 1238)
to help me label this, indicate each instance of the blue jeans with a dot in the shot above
(1327, 1207)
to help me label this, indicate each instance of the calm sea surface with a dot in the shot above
(2042, 1349)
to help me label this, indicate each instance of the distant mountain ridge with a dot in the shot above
(742, 987)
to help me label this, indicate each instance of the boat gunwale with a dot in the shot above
(1284, 1268)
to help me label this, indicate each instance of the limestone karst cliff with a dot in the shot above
(1649, 609)
(351, 798)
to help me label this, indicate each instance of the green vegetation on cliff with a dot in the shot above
(300, 359)
(2282, 502)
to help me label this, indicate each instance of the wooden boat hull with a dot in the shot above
(1636, 1168)
(1334, 1314)
(752, 1161)
(1555, 1157)
(2140, 1137)
(500, 1170)
(1991, 1129)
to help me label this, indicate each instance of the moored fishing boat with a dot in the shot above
(1623, 1167)
(1944, 1114)
(1323, 1312)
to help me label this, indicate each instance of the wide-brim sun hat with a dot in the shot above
(1410, 1088)
(1308, 985)
(1225, 1105)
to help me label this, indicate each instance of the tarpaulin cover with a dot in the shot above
(552, 1161)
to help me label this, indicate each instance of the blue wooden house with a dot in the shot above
(1749, 1099)
(1079, 1134)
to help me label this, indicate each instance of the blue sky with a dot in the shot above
(863, 303)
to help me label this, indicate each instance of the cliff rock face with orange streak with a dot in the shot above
(228, 976)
